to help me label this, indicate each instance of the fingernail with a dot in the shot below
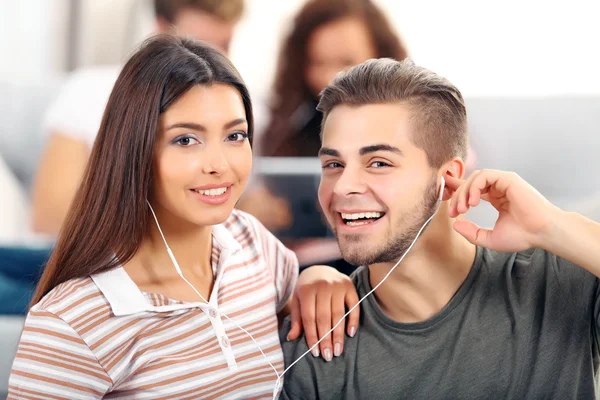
(327, 354)
(287, 337)
(352, 331)
(337, 349)
(315, 352)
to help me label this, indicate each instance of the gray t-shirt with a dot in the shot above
(521, 326)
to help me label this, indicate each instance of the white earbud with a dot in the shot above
(442, 186)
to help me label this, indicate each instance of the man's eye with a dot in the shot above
(379, 164)
(331, 165)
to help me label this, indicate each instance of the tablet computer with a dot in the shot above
(296, 179)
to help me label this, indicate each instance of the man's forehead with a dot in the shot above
(354, 127)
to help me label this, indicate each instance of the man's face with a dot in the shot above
(203, 26)
(377, 188)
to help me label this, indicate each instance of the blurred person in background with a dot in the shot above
(72, 121)
(327, 36)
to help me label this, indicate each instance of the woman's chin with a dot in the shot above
(214, 216)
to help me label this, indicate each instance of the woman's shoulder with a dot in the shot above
(244, 226)
(71, 299)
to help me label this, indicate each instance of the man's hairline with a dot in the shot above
(406, 102)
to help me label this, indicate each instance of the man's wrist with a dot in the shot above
(556, 235)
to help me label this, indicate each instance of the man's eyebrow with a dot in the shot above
(326, 151)
(380, 147)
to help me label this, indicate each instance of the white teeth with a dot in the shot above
(357, 223)
(361, 215)
(212, 192)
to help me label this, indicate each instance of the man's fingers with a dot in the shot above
(474, 234)
(453, 183)
(481, 185)
(462, 203)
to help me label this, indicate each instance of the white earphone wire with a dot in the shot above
(180, 272)
(279, 377)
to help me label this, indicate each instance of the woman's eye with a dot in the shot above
(185, 141)
(237, 137)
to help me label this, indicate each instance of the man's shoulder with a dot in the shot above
(539, 270)
(530, 259)
(313, 377)
(310, 377)
(358, 275)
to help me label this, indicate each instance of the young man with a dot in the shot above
(72, 121)
(507, 313)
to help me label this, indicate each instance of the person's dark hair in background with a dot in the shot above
(306, 65)
(109, 216)
(214, 20)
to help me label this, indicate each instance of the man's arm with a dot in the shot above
(576, 239)
(525, 219)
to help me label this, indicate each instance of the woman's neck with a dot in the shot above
(190, 244)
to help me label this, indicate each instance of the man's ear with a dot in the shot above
(454, 168)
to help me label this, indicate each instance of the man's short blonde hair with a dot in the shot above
(439, 112)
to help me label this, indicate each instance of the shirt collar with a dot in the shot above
(224, 239)
(126, 298)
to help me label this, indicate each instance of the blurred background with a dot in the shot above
(527, 69)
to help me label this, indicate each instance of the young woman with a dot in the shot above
(157, 288)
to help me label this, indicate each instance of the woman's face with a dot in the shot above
(334, 47)
(202, 156)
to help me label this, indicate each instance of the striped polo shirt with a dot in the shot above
(102, 337)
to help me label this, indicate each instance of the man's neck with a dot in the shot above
(428, 276)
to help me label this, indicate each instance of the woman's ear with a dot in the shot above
(454, 168)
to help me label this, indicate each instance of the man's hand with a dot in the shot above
(525, 216)
(319, 302)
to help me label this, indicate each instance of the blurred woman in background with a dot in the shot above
(327, 36)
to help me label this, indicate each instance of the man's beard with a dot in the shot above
(395, 246)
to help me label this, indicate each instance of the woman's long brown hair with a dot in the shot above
(290, 88)
(109, 215)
